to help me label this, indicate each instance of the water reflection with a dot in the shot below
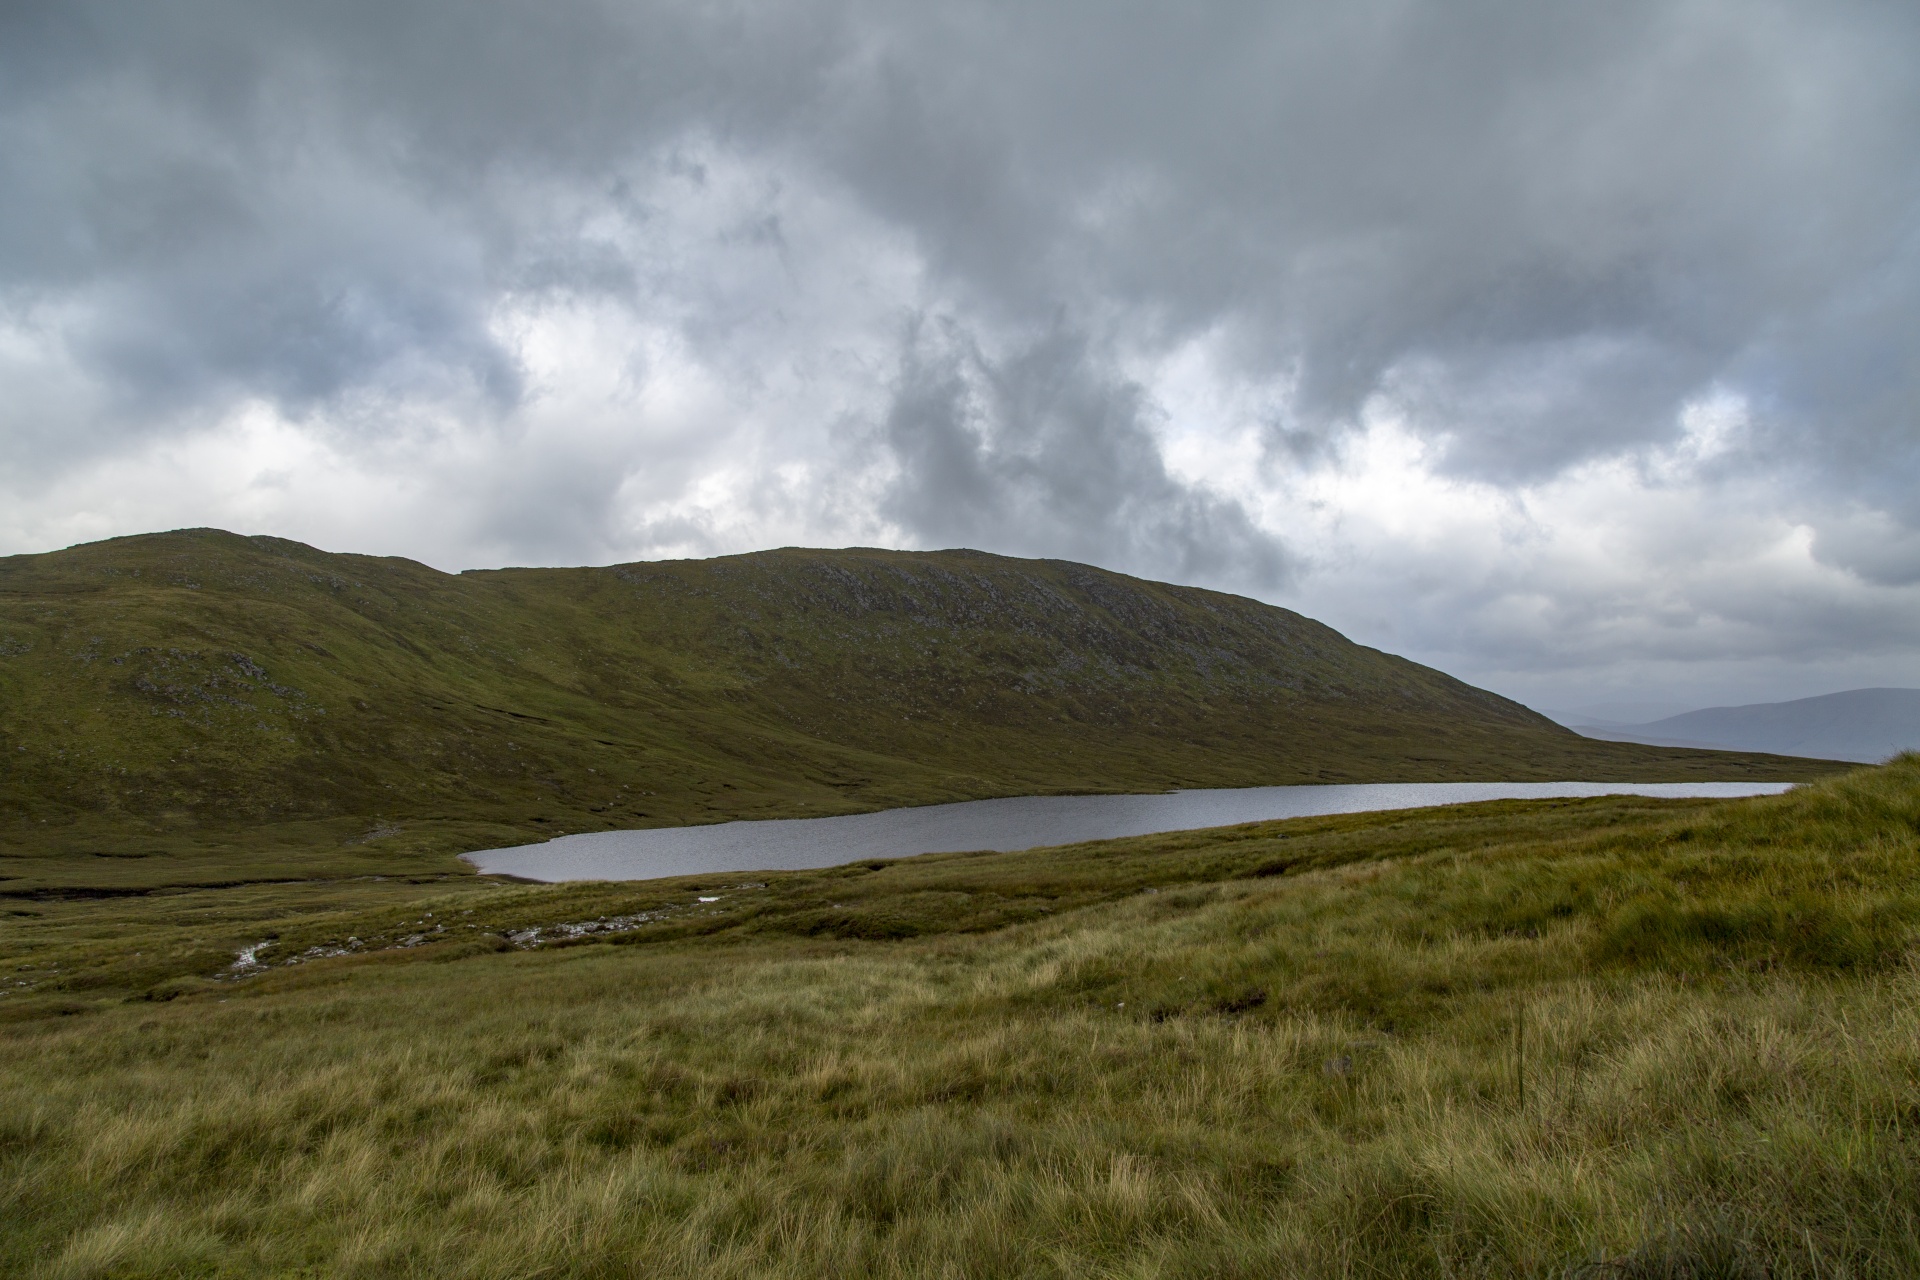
(1022, 822)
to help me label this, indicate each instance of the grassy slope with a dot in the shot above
(1502, 1039)
(198, 707)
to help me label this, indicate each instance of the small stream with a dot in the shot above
(1020, 822)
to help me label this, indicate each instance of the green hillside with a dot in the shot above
(252, 698)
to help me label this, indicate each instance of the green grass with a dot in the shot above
(1597, 1037)
(197, 708)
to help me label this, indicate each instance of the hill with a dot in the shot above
(1863, 725)
(198, 691)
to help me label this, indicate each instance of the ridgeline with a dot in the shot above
(199, 692)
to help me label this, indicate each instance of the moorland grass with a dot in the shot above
(1611, 1037)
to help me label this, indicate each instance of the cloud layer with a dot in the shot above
(1572, 349)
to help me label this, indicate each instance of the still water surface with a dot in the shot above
(1022, 822)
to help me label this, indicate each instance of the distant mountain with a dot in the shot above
(199, 677)
(1865, 725)
(1613, 714)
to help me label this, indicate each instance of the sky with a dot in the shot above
(1573, 349)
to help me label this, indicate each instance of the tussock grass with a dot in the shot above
(1597, 1038)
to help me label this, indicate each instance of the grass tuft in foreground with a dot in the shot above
(1574, 1038)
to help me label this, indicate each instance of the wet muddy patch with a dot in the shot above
(273, 953)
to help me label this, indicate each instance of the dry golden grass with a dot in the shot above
(1618, 1039)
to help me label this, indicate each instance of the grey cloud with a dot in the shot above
(1368, 185)
(1872, 546)
(1702, 638)
(1375, 194)
(1042, 453)
(1528, 409)
(302, 203)
(1838, 386)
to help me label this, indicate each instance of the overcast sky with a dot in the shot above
(1571, 348)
